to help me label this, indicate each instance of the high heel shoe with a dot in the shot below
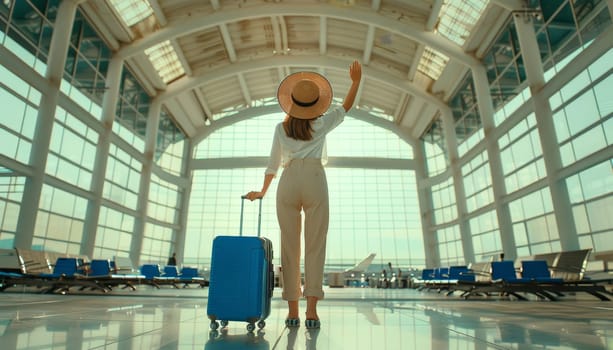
(312, 324)
(292, 322)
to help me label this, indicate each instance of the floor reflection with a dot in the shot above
(352, 318)
(222, 340)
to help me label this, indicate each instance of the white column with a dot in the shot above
(544, 121)
(182, 215)
(486, 112)
(458, 185)
(44, 123)
(109, 108)
(424, 195)
(153, 121)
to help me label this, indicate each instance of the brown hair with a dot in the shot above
(298, 129)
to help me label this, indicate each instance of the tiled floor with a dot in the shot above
(352, 318)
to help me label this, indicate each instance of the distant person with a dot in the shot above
(172, 261)
(383, 281)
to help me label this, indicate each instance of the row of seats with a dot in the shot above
(99, 274)
(544, 277)
(170, 274)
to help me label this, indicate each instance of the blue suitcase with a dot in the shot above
(242, 278)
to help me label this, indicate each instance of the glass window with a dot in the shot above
(444, 202)
(534, 225)
(114, 234)
(485, 235)
(163, 200)
(450, 246)
(371, 210)
(59, 222)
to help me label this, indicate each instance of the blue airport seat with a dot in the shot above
(153, 276)
(537, 270)
(171, 271)
(189, 275)
(102, 270)
(67, 273)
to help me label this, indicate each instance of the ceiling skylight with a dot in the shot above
(132, 11)
(432, 63)
(165, 61)
(458, 18)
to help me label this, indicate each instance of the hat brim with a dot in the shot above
(284, 95)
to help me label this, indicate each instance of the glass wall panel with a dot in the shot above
(591, 196)
(355, 138)
(214, 209)
(465, 109)
(157, 244)
(163, 200)
(59, 223)
(30, 42)
(521, 155)
(71, 153)
(245, 139)
(534, 224)
(505, 72)
(371, 210)
(122, 178)
(486, 236)
(507, 109)
(450, 246)
(171, 158)
(18, 118)
(568, 28)
(435, 149)
(11, 191)
(114, 234)
(374, 211)
(86, 66)
(444, 202)
(253, 138)
(583, 111)
(477, 183)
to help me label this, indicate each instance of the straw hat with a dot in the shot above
(305, 95)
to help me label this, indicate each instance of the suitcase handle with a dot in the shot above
(243, 197)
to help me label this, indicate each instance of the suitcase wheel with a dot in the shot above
(250, 327)
(261, 324)
(214, 325)
(224, 323)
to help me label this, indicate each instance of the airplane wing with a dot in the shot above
(362, 265)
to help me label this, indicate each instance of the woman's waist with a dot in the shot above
(303, 161)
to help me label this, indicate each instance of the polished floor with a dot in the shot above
(352, 318)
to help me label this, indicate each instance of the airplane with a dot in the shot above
(336, 279)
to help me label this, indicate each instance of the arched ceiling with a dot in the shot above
(226, 56)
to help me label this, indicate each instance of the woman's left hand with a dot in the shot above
(253, 195)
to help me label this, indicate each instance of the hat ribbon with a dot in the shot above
(305, 104)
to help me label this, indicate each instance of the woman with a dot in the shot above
(298, 146)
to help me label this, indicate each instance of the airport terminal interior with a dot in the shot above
(471, 184)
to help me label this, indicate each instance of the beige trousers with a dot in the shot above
(303, 187)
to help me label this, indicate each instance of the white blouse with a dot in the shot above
(284, 148)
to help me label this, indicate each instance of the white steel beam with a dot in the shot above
(187, 83)
(60, 42)
(184, 27)
(323, 35)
